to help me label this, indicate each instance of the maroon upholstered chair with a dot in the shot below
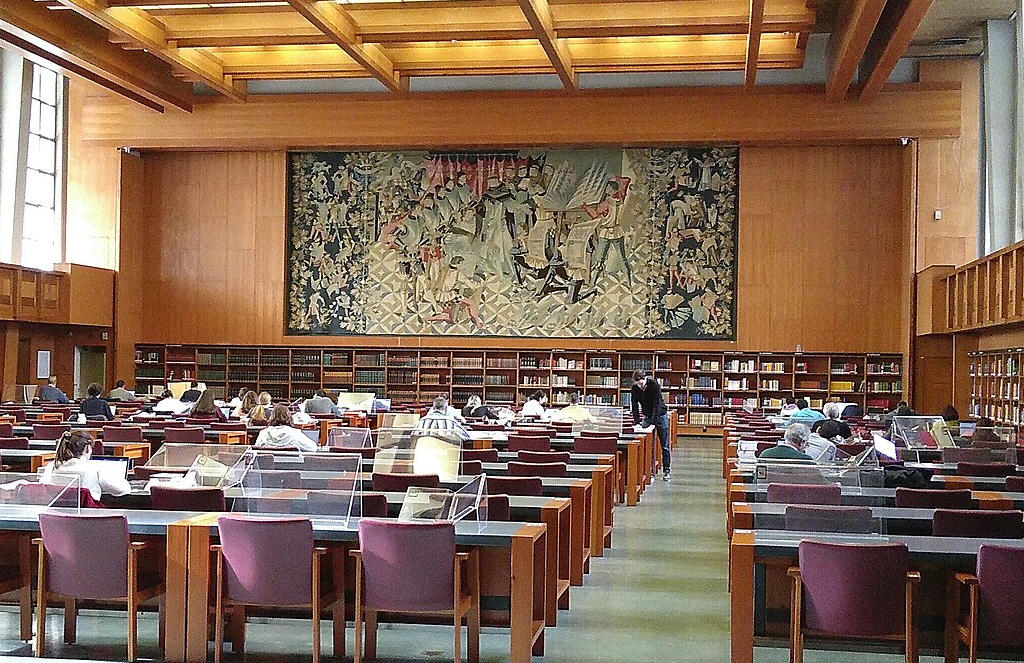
(818, 518)
(1015, 484)
(482, 455)
(481, 426)
(122, 434)
(529, 486)
(517, 442)
(498, 508)
(164, 498)
(985, 469)
(853, 591)
(920, 498)
(518, 469)
(6, 429)
(584, 444)
(471, 467)
(543, 456)
(253, 568)
(49, 431)
(995, 617)
(192, 434)
(386, 482)
(800, 493)
(16, 412)
(414, 568)
(539, 431)
(978, 523)
(372, 505)
(13, 443)
(562, 426)
(966, 455)
(280, 478)
(229, 426)
(90, 557)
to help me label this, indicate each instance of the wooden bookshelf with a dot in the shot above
(701, 386)
(996, 386)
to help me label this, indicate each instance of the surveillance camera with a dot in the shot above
(904, 141)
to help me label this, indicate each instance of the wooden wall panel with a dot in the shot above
(129, 283)
(820, 250)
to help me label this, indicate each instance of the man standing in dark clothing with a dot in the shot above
(647, 400)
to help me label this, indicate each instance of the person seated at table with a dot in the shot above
(260, 414)
(321, 403)
(831, 429)
(985, 434)
(74, 449)
(205, 408)
(94, 406)
(574, 412)
(192, 394)
(475, 409)
(790, 408)
(439, 420)
(280, 434)
(534, 406)
(51, 394)
(237, 400)
(119, 393)
(950, 424)
(792, 445)
(245, 405)
(168, 404)
(804, 413)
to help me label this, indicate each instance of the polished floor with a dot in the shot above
(659, 595)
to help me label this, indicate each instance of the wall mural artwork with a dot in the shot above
(610, 243)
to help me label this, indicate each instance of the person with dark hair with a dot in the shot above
(649, 410)
(475, 409)
(804, 413)
(205, 408)
(789, 408)
(94, 406)
(534, 406)
(321, 403)
(985, 435)
(51, 394)
(119, 393)
(237, 400)
(191, 395)
(950, 415)
(245, 406)
(74, 449)
(830, 429)
(280, 434)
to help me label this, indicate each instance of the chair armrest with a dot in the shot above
(463, 556)
(914, 577)
(965, 578)
(136, 546)
(794, 572)
(358, 554)
(37, 541)
(319, 552)
(216, 548)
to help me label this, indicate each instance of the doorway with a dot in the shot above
(90, 366)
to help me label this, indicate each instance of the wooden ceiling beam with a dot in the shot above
(753, 42)
(79, 47)
(148, 33)
(896, 28)
(538, 15)
(337, 24)
(847, 43)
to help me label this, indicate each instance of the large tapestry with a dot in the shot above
(637, 243)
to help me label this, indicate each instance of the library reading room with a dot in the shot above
(511, 331)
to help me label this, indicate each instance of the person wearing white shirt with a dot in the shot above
(280, 434)
(534, 406)
(441, 420)
(170, 404)
(74, 449)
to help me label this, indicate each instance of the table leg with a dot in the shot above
(633, 476)
(741, 576)
(521, 626)
(549, 516)
(597, 496)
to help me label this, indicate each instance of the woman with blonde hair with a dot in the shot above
(261, 413)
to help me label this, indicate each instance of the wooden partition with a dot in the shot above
(988, 292)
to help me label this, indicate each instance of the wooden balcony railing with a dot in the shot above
(988, 292)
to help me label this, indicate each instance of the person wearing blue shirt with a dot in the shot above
(805, 413)
(51, 394)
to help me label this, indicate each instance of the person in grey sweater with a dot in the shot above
(321, 403)
(51, 394)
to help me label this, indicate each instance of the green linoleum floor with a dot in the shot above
(659, 595)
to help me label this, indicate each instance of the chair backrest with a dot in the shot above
(258, 569)
(16, 412)
(543, 456)
(978, 523)
(280, 478)
(6, 429)
(584, 444)
(49, 431)
(86, 555)
(372, 505)
(387, 482)
(1015, 484)
(854, 590)
(818, 518)
(606, 434)
(471, 467)
(185, 434)
(921, 498)
(529, 486)
(800, 493)
(518, 469)
(985, 469)
(1000, 610)
(498, 508)
(122, 434)
(164, 498)
(407, 567)
(482, 455)
(966, 455)
(535, 430)
(13, 443)
(517, 443)
(481, 426)
(228, 425)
